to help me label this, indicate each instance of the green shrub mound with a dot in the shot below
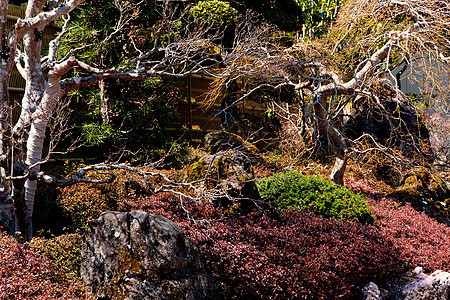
(292, 190)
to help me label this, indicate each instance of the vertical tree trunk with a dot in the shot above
(337, 139)
(105, 108)
(229, 114)
(24, 191)
(35, 142)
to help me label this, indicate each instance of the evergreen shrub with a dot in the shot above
(292, 190)
(215, 11)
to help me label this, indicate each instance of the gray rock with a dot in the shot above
(138, 255)
(431, 287)
(414, 285)
(439, 127)
(371, 292)
(228, 179)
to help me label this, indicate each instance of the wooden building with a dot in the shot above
(199, 117)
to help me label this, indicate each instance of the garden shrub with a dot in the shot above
(302, 257)
(307, 257)
(214, 11)
(85, 202)
(63, 250)
(60, 210)
(292, 190)
(423, 241)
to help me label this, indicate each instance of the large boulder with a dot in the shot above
(138, 255)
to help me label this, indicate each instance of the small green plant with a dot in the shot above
(292, 190)
(214, 11)
(98, 134)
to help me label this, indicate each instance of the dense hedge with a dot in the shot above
(292, 190)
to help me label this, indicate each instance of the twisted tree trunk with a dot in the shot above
(337, 139)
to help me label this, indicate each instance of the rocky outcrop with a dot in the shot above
(414, 286)
(138, 255)
(431, 287)
(226, 172)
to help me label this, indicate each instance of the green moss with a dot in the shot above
(245, 177)
(234, 140)
(126, 264)
(171, 287)
(424, 189)
(250, 147)
(197, 170)
(221, 168)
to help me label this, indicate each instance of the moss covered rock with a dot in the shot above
(228, 176)
(224, 141)
(138, 255)
(426, 192)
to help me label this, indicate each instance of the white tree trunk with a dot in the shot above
(36, 136)
(34, 90)
(35, 145)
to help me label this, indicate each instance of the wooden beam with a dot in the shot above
(16, 89)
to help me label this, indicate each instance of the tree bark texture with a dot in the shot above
(17, 196)
(337, 139)
(24, 190)
(105, 109)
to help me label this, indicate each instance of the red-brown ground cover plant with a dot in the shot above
(421, 240)
(25, 274)
(300, 257)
